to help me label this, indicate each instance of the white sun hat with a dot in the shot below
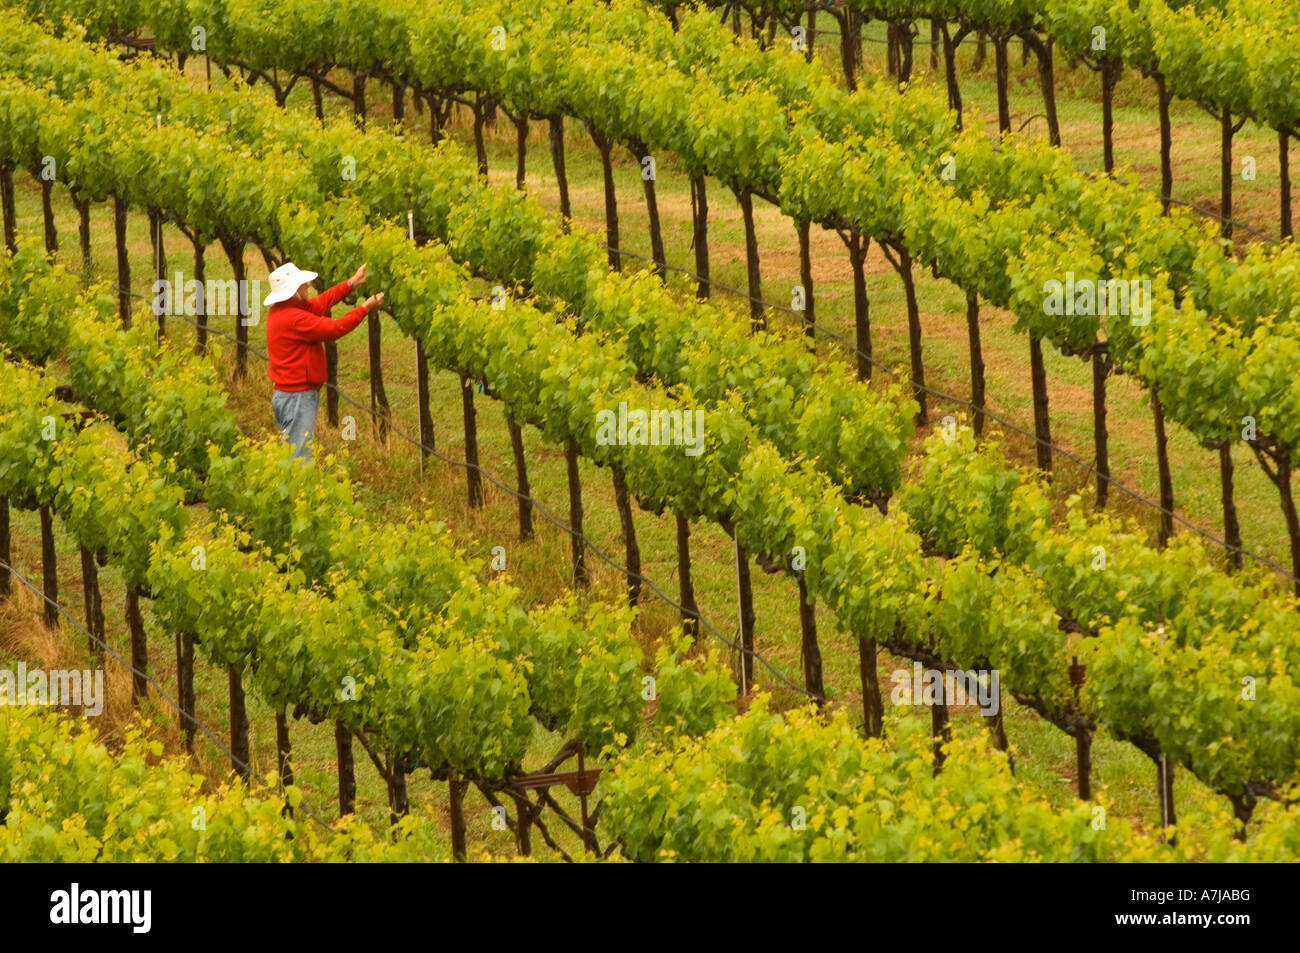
(285, 282)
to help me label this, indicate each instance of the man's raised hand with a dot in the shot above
(358, 278)
(373, 302)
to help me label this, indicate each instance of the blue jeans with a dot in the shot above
(295, 415)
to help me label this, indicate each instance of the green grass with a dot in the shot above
(390, 485)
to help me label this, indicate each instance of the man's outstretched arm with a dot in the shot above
(323, 302)
(321, 327)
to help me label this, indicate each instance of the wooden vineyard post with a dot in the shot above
(557, 161)
(456, 805)
(745, 616)
(398, 803)
(1083, 761)
(83, 228)
(1101, 368)
(359, 98)
(422, 404)
(632, 552)
(239, 750)
(1042, 421)
(1163, 97)
(524, 825)
(139, 645)
(1003, 80)
(521, 478)
(873, 705)
(94, 603)
(421, 364)
(1047, 82)
(201, 307)
(1165, 788)
(604, 146)
(346, 768)
(849, 49)
(521, 149)
(480, 147)
(1284, 190)
(1110, 75)
(399, 102)
(435, 117)
(811, 651)
(700, 233)
(581, 576)
(1280, 475)
(998, 729)
(806, 282)
(857, 246)
(159, 270)
(159, 256)
(185, 685)
(473, 477)
(1162, 466)
(1243, 806)
(378, 395)
(1082, 736)
(686, 589)
(950, 75)
(1225, 172)
(1231, 526)
(49, 569)
(641, 153)
(757, 319)
(939, 726)
(47, 215)
(976, 360)
(332, 382)
(123, 262)
(7, 202)
(283, 753)
(317, 101)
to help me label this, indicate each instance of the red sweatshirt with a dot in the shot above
(294, 332)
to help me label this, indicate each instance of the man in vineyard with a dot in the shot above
(296, 327)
